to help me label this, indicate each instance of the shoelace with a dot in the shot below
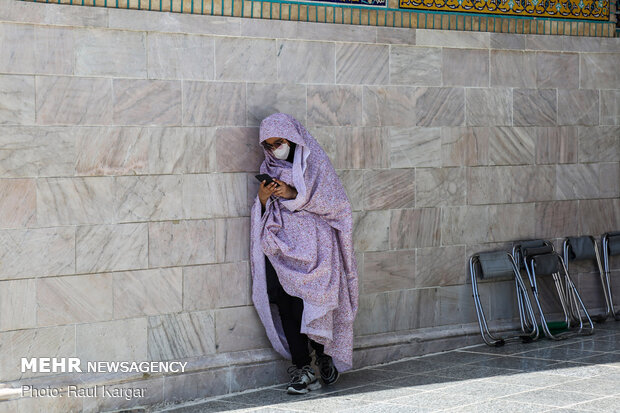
(297, 373)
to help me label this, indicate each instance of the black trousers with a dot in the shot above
(290, 309)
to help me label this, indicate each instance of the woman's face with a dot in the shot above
(273, 143)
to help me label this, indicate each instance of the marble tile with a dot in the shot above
(389, 106)
(37, 151)
(173, 243)
(507, 41)
(610, 107)
(49, 404)
(543, 42)
(183, 387)
(512, 146)
(395, 35)
(336, 32)
(510, 68)
(147, 102)
(18, 103)
(54, 50)
(598, 71)
(609, 179)
(334, 105)
(371, 230)
(238, 150)
(557, 70)
(353, 182)
(18, 304)
(440, 186)
(215, 195)
(268, 28)
(17, 50)
(415, 228)
(148, 292)
(353, 147)
(71, 201)
(180, 56)
(358, 63)
(112, 151)
(578, 107)
(216, 286)
(41, 251)
(556, 145)
(415, 147)
(440, 266)
(599, 144)
(455, 303)
(145, 20)
(74, 299)
(465, 67)
(111, 247)
(388, 271)
(232, 239)
(18, 203)
(40, 342)
(465, 146)
(97, 52)
(475, 224)
(112, 340)
(238, 59)
(487, 107)
(596, 216)
(257, 376)
(412, 65)
(440, 106)
(182, 335)
(153, 393)
(263, 99)
(577, 181)
(549, 397)
(74, 100)
(553, 219)
(306, 62)
(450, 38)
(389, 188)
(534, 107)
(510, 184)
(239, 328)
(181, 150)
(213, 103)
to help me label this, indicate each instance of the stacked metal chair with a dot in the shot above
(539, 259)
(586, 248)
(498, 265)
(611, 247)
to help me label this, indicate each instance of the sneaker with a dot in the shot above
(329, 373)
(302, 380)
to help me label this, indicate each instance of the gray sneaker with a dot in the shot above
(329, 373)
(302, 380)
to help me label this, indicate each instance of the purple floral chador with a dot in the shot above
(309, 241)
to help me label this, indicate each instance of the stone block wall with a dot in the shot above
(129, 143)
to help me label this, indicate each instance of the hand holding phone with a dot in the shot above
(266, 178)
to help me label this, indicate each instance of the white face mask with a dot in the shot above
(281, 152)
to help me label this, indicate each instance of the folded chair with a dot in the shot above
(611, 247)
(586, 248)
(496, 265)
(540, 260)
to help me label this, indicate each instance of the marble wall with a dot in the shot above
(129, 141)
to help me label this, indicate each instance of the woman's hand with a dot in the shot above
(265, 191)
(284, 191)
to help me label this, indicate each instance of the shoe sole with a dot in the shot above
(312, 386)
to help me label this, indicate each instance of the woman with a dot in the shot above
(304, 273)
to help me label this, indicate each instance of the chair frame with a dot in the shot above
(607, 271)
(525, 306)
(567, 292)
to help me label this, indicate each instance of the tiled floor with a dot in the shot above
(580, 374)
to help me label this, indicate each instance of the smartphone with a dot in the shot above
(266, 178)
